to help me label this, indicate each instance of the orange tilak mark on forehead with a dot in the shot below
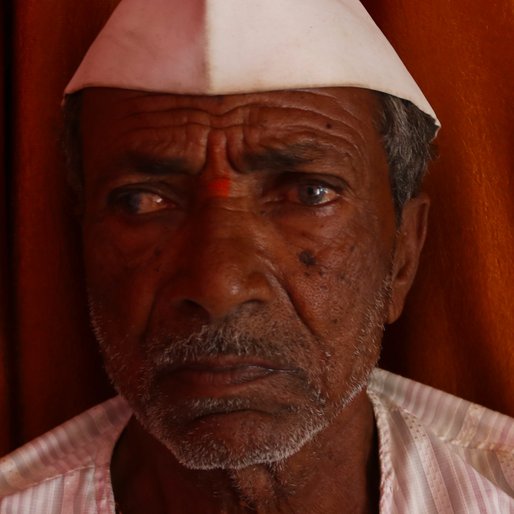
(218, 188)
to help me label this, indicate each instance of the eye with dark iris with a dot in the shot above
(314, 194)
(138, 202)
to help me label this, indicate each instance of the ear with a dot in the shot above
(410, 238)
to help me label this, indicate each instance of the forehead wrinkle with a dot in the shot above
(250, 110)
(158, 143)
(252, 115)
(194, 111)
(157, 137)
(332, 94)
(316, 120)
(257, 121)
(307, 136)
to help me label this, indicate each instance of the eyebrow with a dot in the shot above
(288, 158)
(272, 159)
(148, 164)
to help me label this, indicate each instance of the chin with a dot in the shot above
(235, 439)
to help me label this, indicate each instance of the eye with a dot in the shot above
(139, 202)
(312, 194)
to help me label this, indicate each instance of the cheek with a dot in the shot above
(338, 275)
(338, 265)
(332, 293)
(122, 275)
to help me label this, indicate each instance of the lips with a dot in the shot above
(200, 375)
(222, 372)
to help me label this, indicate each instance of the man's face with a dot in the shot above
(238, 253)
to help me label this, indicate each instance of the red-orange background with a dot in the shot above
(457, 331)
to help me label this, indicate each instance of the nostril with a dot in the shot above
(194, 312)
(214, 302)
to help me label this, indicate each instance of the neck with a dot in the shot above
(338, 471)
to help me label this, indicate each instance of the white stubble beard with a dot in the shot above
(207, 452)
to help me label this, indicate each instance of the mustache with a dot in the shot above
(286, 348)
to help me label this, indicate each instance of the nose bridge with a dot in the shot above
(225, 234)
(221, 267)
(224, 217)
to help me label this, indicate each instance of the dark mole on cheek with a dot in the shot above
(307, 258)
(328, 125)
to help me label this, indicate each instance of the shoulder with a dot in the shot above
(449, 452)
(63, 457)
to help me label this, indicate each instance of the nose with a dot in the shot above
(222, 267)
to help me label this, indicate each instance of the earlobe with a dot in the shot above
(410, 238)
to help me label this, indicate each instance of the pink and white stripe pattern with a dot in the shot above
(438, 454)
(67, 470)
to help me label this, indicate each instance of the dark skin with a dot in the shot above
(271, 215)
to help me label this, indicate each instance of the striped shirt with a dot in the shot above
(438, 454)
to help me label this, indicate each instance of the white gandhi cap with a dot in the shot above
(211, 47)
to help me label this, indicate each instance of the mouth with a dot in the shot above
(212, 375)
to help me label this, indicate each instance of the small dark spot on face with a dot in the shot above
(307, 258)
(334, 321)
(328, 125)
(157, 252)
(343, 277)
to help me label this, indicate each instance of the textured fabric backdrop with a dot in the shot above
(456, 333)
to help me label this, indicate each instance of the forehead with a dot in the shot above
(324, 108)
(342, 120)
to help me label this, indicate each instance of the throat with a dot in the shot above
(262, 488)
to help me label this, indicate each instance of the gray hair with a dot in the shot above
(407, 133)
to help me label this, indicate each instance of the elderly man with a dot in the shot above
(249, 177)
